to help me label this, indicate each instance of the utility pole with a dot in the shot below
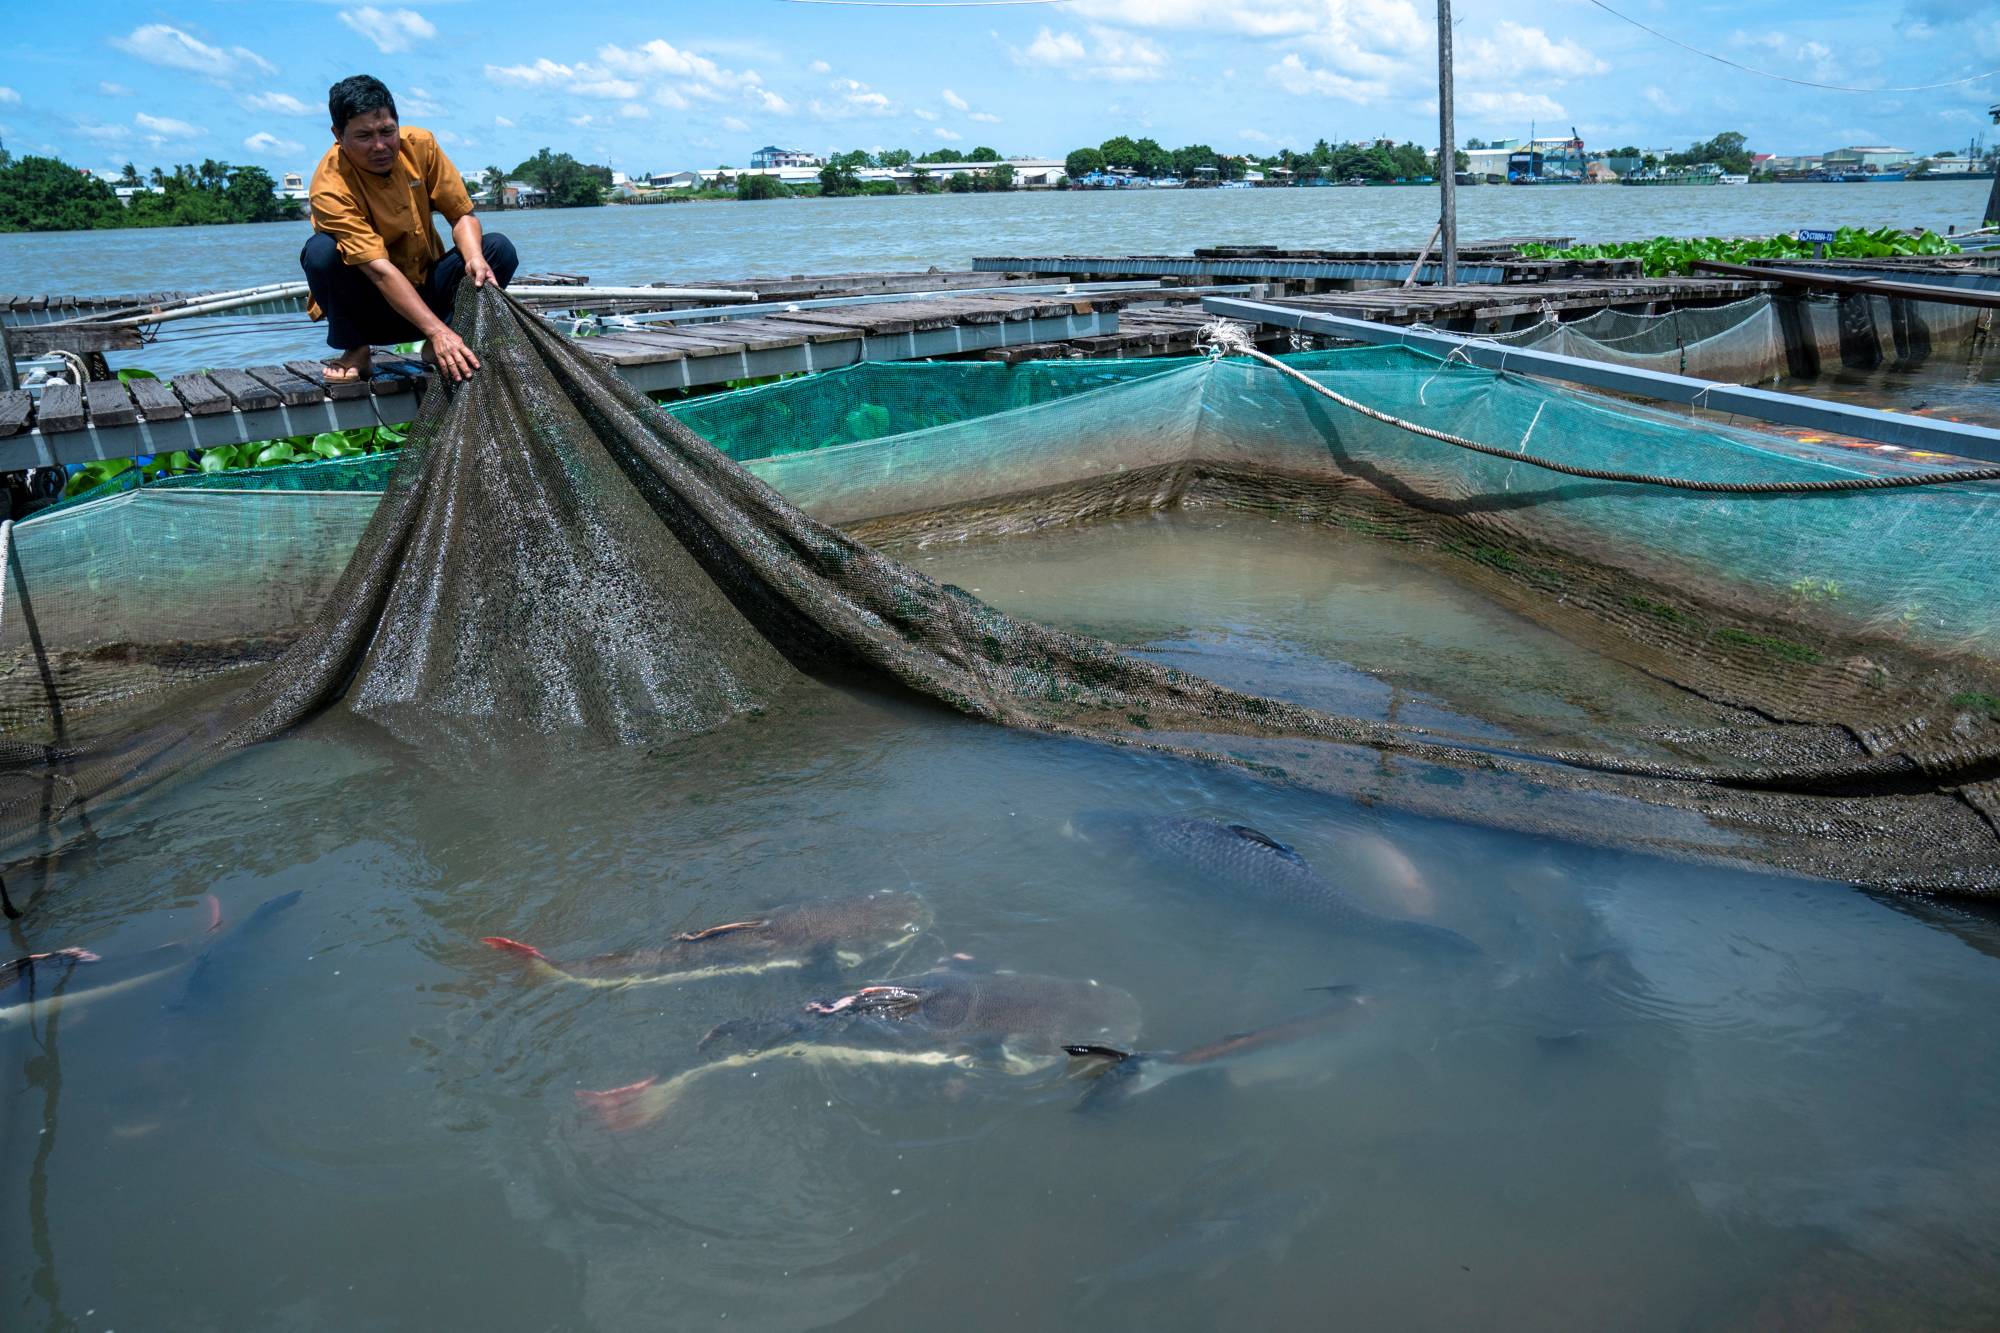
(1447, 151)
(1993, 196)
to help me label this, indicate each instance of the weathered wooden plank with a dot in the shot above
(203, 396)
(61, 409)
(687, 342)
(313, 372)
(631, 348)
(156, 401)
(758, 334)
(879, 320)
(812, 333)
(41, 339)
(15, 407)
(292, 390)
(246, 393)
(109, 404)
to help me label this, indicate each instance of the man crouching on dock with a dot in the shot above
(378, 272)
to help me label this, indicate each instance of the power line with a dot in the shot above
(926, 4)
(1786, 78)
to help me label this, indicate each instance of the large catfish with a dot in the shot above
(846, 931)
(1010, 1022)
(1249, 867)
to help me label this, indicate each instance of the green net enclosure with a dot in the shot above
(552, 552)
(1759, 339)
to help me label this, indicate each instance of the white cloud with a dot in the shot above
(984, 117)
(820, 67)
(1521, 50)
(633, 111)
(166, 126)
(581, 121)
(280, 104)
(921, 114)
(947, 134)
(1661, 101)
(615, 89)
(105, 133)
(502, 123)
(732, 123)
(1113, 55)
(1254, 136)
(418, 102)
(853, 98)
(540, 74)
(1051, 48)
(263, 141)
(8, 97)
(106, 88)
(1299, 79)
(392, 31)
(955, 102)
(771, 102)
(1514, 106)
(170, 48)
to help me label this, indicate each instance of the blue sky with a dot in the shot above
(676, 83)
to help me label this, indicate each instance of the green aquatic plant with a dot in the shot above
(1664, 256)
(127, 473)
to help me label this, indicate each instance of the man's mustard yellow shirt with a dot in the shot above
(389, 217)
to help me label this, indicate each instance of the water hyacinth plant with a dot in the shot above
(1666, 256)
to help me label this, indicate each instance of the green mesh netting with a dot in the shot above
(555, 553)
(1759, 339)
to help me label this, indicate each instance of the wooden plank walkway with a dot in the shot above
(1492, 308)
(1310, 266)
(108, 419)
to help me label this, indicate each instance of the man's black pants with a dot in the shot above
(356, 314)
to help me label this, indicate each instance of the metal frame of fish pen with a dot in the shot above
(1949, 437)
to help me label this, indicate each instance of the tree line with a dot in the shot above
(47, 194)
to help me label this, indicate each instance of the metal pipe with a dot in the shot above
(1909, 291)
(1424, 254)
(778, 309)
(1912, 432)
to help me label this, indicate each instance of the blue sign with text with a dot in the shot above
(1811, 236)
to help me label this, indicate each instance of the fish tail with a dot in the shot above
(631, 1107)
(514, 946)
(214, 912)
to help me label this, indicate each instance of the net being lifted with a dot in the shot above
(553, 553)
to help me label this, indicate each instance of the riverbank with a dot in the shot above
(707, 240)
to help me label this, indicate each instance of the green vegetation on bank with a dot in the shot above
(44, 194)
(1664, 256)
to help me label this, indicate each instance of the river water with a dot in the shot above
(1661, 1098)
(714, 241)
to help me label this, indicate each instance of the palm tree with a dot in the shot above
(159, 176)
(496, 181)
(129, 176)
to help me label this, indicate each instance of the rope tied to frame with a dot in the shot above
(1226, 338)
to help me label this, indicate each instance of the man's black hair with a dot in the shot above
(357, 95)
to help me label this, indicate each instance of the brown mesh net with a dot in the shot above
(554, 553)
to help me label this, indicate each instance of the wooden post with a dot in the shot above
(1447, 151)
(7, 379)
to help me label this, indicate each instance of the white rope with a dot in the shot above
(1225, 338)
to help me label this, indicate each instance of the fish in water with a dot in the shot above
(41, 984)
(848, 931)
(1253, 868)
(1272, 1051)
(950, 1017)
